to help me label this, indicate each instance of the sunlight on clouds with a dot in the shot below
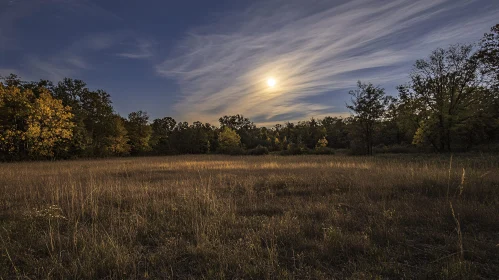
(309, 51)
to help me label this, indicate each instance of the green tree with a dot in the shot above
(336, 132)
(116, 141)
(236, 122)
(93, 113)
(488, 54)
(244, 127)
(15, 106)
(160, 140)
(443, 89)
(202, 137)
(228, 141)
(369, 105)
(139, 132)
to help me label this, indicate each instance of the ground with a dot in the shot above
(269, 217)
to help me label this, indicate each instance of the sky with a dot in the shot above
(199, 60)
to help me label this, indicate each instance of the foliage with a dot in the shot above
(488, 54)
(369, 104)
(336, 130)
(93, 118)
(117, 139)
(295, 149)
(32, 127)
(229, 142)
(323, 151)
(139, 132)
(258, 151)
(444, 87)
(162, 130)
(321, 143)
(48, 126)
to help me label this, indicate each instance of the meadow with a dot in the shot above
(248, 217)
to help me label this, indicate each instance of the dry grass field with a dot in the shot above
(271, 217)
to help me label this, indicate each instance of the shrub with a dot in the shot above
(396, 149)
(234, 151)
(258, 151)
(294, 149)
(323, 151)
(357, 147)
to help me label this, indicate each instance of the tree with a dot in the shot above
(236, 122)
(162, 129)
(321, 143)
(93, 113)
(32, 127)
(116, 141)
(244, 127)
(48, 125)
(368, 104)
(14, 111)
(12, 80)
(488, 54)
(202, 137)
(228, 141)
(139, 132)
(442, 89)
(336, 132)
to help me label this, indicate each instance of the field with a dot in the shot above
(270, 217)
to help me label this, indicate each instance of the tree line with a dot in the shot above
(450, 104)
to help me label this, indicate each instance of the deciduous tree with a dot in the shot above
(368, 104)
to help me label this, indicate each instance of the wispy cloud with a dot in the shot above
(310, 49)
(142, 50)
(73, 58)
(52, 69)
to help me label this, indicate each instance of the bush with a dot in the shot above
(294, 149)
(258, 151)
(234, 151)
(323, 151)
(395, 149)
(342, 151)
(357, 147)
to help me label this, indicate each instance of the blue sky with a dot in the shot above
(199, 60)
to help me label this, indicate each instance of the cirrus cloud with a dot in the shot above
(316, 51)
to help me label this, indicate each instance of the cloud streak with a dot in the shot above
(321, 48)
(75, 58)
(142, 51)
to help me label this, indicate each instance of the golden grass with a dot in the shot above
(271, 217)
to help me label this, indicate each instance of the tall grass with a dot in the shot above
(270, 217)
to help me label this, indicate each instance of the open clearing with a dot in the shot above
(271, 217)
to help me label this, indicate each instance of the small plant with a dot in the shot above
(322, 143)
(459, 233)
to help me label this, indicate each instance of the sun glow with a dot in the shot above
(271, 82)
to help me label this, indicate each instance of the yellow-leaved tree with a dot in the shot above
(48, 125)
(32, 127)
(14, 110)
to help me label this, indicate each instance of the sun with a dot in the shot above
(271, 82)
